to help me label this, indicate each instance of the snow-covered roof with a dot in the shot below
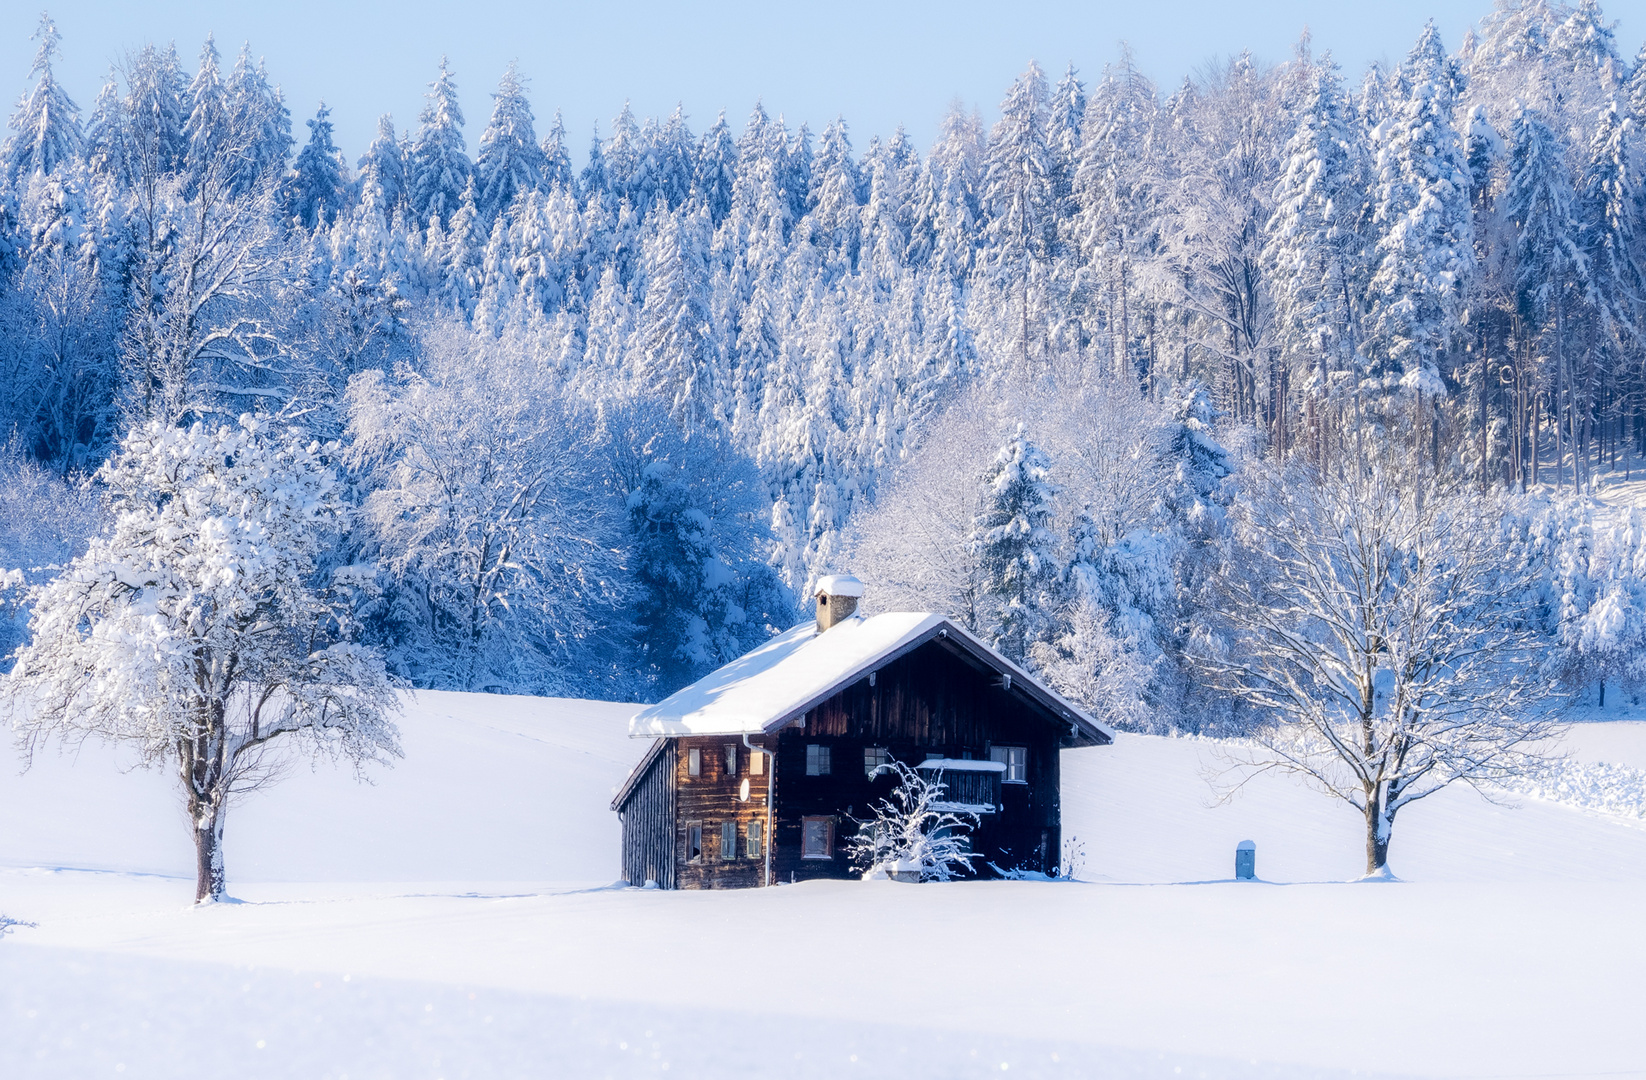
(770, 686)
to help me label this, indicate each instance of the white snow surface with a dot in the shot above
(456, 917)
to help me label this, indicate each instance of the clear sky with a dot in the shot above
(876, 62)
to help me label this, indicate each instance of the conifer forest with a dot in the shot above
(601, 415)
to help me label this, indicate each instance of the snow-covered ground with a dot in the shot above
(455, 918)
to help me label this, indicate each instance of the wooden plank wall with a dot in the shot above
(648, 825)
(929, 701)
(712, 798)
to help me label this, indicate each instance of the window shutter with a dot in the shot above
(754, 846)
(757, 763)
(728, 840)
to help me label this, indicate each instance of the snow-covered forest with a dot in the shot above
(602, 417)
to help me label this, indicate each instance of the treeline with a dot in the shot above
(1444, 257)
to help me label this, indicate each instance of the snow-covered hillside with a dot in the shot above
(455, 918)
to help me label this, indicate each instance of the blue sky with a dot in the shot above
(878, 64)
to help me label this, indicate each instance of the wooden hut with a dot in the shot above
(758, 771)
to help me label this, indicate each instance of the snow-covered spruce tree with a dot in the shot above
(914, 831)
(1423, 215)
(699, 534)
(318, 188)
(195, 630)
(1015, 548)
(438, 165)
(1377, 623)
(46, 126)
(509, 162)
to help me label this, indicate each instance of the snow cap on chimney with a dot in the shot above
(837, 597)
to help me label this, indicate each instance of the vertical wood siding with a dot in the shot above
(648, 825)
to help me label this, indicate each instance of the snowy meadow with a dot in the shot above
(1288, 420)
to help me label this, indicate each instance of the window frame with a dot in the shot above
(731, 759)
(1016, 772)
(827, 821)
(819, 760)
(694, 761)
(880, 755)
(694, 828)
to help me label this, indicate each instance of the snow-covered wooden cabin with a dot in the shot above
(758, 770)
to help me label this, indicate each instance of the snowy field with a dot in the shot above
(456, 919)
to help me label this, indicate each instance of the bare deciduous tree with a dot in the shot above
(1375, 621)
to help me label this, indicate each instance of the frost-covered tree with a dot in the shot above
(46, 126)
(198, 630)
(1422, 210)
(509, 162)
(318, 189)
(438, 163)
(1015, 548)
(382, 174)
(914, 830)
(698, 535)
(485, 513)
(1377, 623)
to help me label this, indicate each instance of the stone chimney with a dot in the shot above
(837, 597)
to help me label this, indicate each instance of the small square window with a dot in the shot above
(1016, 760)
(731, 759)
(694, 841)
(874, 759)
(817, 838)
(694, 762)
(728, 840)
(817, 760)
(754, 848)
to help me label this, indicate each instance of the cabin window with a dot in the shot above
(694, 762)
(694, 841)
(757, 762)
(728, 840)
(817, 760)
(1016, 760)
(754, 847)
(875, 758)
(817, 838)
(731, 759)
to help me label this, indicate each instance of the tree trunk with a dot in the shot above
(1377, 836)
(208, 851)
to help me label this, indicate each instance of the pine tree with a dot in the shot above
(439, 166)
(154, 111)
(261, 124)
(676, 355)
(382, 180)
(1424, 216)
(1315, 246)
(1017, 190)
(317, 191)
(557, 162)
(46, 126)
(1015, 548)
(716, 170)
(509, 162)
